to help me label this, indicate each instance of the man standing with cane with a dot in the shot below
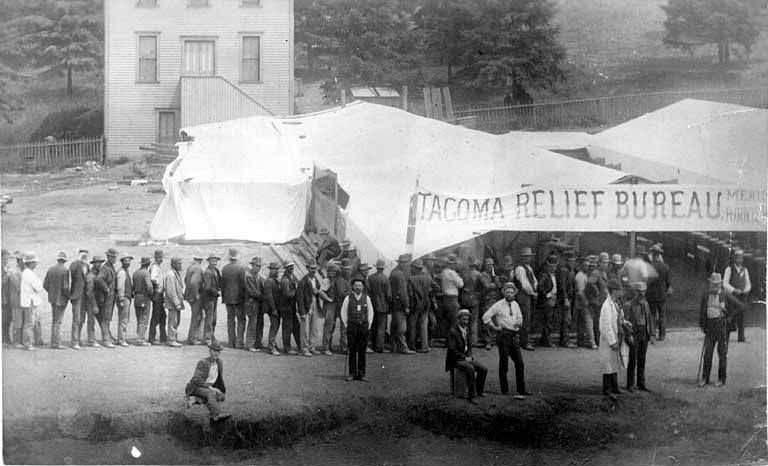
(712, 319)
(357, 316)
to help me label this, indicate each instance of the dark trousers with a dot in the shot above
(526, 306)
(195, 321)
(565, 322)
(209, 319)
(158, 319)
(736, 308)
(58, 314)
(636, 364)
(274, 326)
(715, 334)
(509, 348)
(657, 311)
(89, 314)
(357, 338)
(77, 316)
(7, 318)
(594, 310)
(475, 374)
(290, 329)
(106, 310)
(235, 325)
(380, 330)
(450, 309)
(142, 318)
(546, 316)
(254, 332)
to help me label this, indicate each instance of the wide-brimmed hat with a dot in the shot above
(232, 253)
(430, 257)
(452, 259)
(215, 345)
(526, 252)
(30, 257)
(61, 256)
(464, 312)
(274, 266)
(213, 256)
(197, 257)
(112, 252)
(126, 257)
(289, 264)
(97, 259)
(657, 248)
(364, 266)
(715, 279)
(256, 261)
(617, 259)
(417, 264)
(613, 284)
(380, 264)
(404, 258)
(357, 278)
(146, 260)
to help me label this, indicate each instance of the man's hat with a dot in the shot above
(82, 251)
(233, 253)
(639, 286)
(175, 260)
(126, 257)
(452, 259)
(346, 264)
(430, 257)
(158, 253)
(289, 264)
(324, 231)
(97, 259)
(380, 264)
(61, 256)
(345, 244)
(197, 257)
(213, 256)
(715, 279)
(357, 278)
(472, 262)
(274, 266)
(256, 260)
(489, 261)
(418, 264)
(404, 258)
(111, 252)
(613, 284)
(526, 252)
(657, 248)
(364, 266)
(617, 259)
(604, 257)
(552, 260)
(145, 260)
(332, 268)
(570, 254)
(510, 285)
(464, 312)
(738, 252)
(30, 257)
(215, 345)
(311, 265)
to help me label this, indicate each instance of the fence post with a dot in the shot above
(103, 150)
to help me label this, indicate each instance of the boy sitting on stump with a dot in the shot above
(208, 382)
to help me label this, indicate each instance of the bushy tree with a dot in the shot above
(443, 26)
(693, 23)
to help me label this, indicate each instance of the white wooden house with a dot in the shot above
(175, 63)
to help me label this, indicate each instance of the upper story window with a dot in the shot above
(250, 3)
(197, 3)
(251, 59)
(146, 3)
(147, 66)
(199, 58)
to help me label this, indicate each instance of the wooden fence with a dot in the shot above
(38, 156)
(601, 112)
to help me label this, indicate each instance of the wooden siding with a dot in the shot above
(131, 107)
(211, 99)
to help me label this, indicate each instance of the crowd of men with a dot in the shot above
(407, 310)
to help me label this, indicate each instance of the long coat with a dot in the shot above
(56, 283)
(610, 334)
(201, 375)
(233, 283)
(380, 292)
(77, 272)
(193, 282)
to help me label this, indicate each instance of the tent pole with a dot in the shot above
(410, 234)
(632, 243)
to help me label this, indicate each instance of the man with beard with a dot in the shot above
(56, 283)
(210, 296)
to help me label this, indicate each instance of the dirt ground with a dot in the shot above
(92, 406)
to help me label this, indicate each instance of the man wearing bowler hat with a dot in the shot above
(254, 298)
(207, 382)
(527, 285)
(193, 285)
(142, 300)
(157, 275)
(271, 295)
(210, 297)
(106, 291)
(381, 295)
(401, 305)
(357, 315)
(173, 297)
(78, 270)
(56, 283)
(123, 299)
(233, 296)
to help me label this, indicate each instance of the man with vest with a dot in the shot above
(271, 295)
(254, 297)
(193, 284)
(286, 304)
(638, 314)
(491, 284)
(526, 283)
(308, 307)
(547, 299)
(420, 299)
(401, 306)
(381, 295)
(658, 290)
(505, 318)
(106, 289)
(233, 296)
(357, 316)
(712, 320)
(470, 297)
(208, 382)
(156, 274)
(123, 299)
(210, 297)
(459, 356)
(737, 286)
(78, 270)
(142, 300)
(56, 283)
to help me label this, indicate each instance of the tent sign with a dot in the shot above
(617, 207)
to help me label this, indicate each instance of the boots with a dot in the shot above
(606, 384)
(615, 383)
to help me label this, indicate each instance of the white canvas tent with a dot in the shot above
(379, 154)
(691, 141)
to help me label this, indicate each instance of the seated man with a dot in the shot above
(459, 356)
(208, 382)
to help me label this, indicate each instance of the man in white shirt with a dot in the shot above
(506, 320)
(31, 298)
(357, 317)
(525, 280)
(737, 285)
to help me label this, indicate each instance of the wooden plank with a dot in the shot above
(427, 103)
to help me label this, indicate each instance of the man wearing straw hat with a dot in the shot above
(713, 322)
(210, 297)
(193, 285)
(106, 289)
(737, 285)
(78, 270)
(142, 300)
(525, 281)
(505, 318)
(30, 301)
(56, 283)
(124, 297)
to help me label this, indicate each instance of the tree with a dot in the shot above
(63, 36)
(10, 104)
(312, 19)
(443, 25)
(693, 23)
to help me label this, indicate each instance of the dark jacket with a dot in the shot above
(658, 286)
(703, 307)
(398, 281)
(636, 311)
(201, 374)
(456, 348)
(339, 290)
(491, 288)
(193, 282)
(56, 283)
(142, 287)
(271, 291)
(286, 298)
(545, 287)
(380, 292)
(211, 283)
(233, 283)
(565, 284)
(254, 289)
(420, 292)
(77, 272)
(472, 290)
(89, 301)
(304, 294)
(106, 284)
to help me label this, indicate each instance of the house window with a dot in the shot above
(167, 128)
(198, 58)
(147, 59)
(251, 3)
(146, 3)
(197, 3)
(251, 66)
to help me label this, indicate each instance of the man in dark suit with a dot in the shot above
(338, 290)
(658, 290)
(142, 300)
(459, 356)
(401, 306)
(308, 305)
(158, 319)
(210, 297)
(207, 382)
(548, 288)
(420, 299)
(106, 290)
(193, 284)
(271, 294)
(381, 295)
(56, 283)
(78, 270)
(638, 313)
(254, 297)
(286, 304)
(233, 296)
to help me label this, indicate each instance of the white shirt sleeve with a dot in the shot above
(747, 282)
(343, 313)
(727, 280)
(607, 319)
(370, 310)
(516, 314)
